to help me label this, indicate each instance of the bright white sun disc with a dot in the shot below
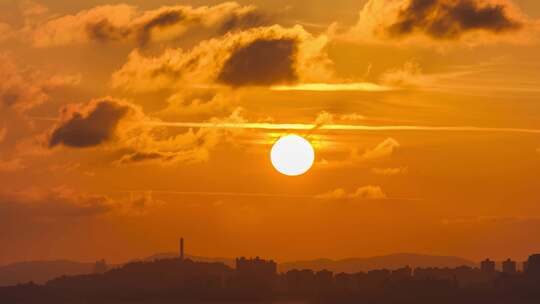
(292, 155)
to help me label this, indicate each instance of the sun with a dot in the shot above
(292, 155)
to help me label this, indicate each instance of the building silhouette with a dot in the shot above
(532, 267)
(255, 267)
(402, 273)
(487, 266)
(181, 249)
(256, 277)
(509, 267)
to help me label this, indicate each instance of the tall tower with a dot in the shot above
(181, 248)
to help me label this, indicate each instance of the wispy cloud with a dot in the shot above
(11, 165)
(334, 87)
(365, 192)
(390, 171)
(63, 201)
(3, 133)
(341, 127)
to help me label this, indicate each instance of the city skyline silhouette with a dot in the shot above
(257, 279)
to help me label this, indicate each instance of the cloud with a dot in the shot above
(365, 192)
(261, 62)
(256, 57)
(18, 90)
(126, 23)
(245, 18)
(30, 9)
(410, 74)
(11, 165)
(324, 118)
(122, 127)
(56, 202)
(3, 134)
(89, 125)
(22, 89)
(191, 146)
(334, 87)
(77, 29)
(456, 78)
(490, 220)
(5, 31)
(59, 202)
(193, 154)
(352, 117)
(444, 19)
(200, 102)
(439, 20)
(382, 150)
(340, 127)
(139, 204)
(161, 20)
(390, 171)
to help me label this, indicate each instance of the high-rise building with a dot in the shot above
(256, 266)
(487, 265)
(533, 265)
(509, 267)
(181, 251)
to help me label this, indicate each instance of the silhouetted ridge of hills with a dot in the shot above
(171, 255)
(164, 275)
(43, 271)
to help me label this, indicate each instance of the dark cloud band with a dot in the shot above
(449, 19)
(262, 62)
(90, 126)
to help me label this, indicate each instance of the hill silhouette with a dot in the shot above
(170, 255)
(42, 271)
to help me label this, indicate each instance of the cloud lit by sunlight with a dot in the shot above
(339, 127)
(334, 87)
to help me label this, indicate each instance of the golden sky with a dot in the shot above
(127, 124)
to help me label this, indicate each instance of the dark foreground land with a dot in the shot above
(257, 281)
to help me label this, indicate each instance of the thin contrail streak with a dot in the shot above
(341, 127)
(201, 193)
(330, 127)
(248, 194)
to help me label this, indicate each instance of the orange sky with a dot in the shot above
(127, 124)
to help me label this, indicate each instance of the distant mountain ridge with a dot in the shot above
(42, 271)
